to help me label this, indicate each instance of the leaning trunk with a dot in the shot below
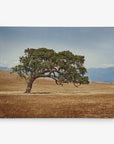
(29, 86)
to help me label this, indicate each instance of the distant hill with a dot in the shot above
(112, 82)
(5, 68)
(101, 74)
(95, 74)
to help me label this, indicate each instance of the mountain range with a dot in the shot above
(94, 74)
(101, 74)
(5, 68)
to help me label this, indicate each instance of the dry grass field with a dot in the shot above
(49, 100)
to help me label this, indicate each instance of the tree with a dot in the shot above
(63, 67)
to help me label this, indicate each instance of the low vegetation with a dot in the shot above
(47, 99)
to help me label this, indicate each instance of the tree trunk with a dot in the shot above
(29, 85)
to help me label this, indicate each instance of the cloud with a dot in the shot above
(13, 63)
(3, 62)
(108, 65)
(9, 63)
(105, 45)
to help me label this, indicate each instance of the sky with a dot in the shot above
(95, 43)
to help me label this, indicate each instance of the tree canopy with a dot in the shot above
(63, 67)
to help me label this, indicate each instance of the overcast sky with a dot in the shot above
(95, 43)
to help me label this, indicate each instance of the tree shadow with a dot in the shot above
(41, 93)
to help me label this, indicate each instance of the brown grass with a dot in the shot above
(95, 100)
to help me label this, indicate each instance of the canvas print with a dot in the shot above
(56, 72)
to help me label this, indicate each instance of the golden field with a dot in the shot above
(49, 100)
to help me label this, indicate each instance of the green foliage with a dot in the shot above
(63, 67)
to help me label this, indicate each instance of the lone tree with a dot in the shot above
(63, 67)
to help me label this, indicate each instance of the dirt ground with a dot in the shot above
(49, 100)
